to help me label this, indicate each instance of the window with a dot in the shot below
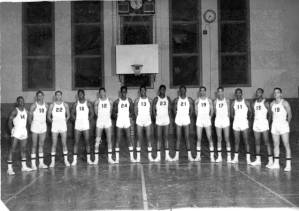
(136, 29)
(234, 56)
(185, 43)
(87, 44)
(38, 46)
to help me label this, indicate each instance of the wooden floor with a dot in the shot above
(153, 186)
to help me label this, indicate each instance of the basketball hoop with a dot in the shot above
(137, 68)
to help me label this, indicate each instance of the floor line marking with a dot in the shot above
(144, 196)
(268, 189)
(23, 189)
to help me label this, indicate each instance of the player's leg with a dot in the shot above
(276, 141)
(33, 150)
(257, 136)
(211, 144)
(188, 142)
(23, 154)
(227, 142)
(286, 142)
(247, 147)
(237, 143)
(77, 134)
(130, 142)
(109, 141)
(53, 148)
(98, 141)
(219, 142)
(178, 142)
(42, 138)
(87, 146)
(148, 135)
(198, 143)
(269, 150)
(12, 150)
(117, 140)
(64, 148)
(159, 142)
(165, 134)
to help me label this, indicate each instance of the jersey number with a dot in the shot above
(258, 107)
(123, 105)
(143, 103)
(163, 103)
(220, 105)
(239, 106)
(81, 108)
(277, 109)
(104, 105)
(203, 104)
(183, 104)
(22, 116)
(58, 109)
(41, 110)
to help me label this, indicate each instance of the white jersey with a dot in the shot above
(19, 130)
(260, 110)
(182, 117)
(203, 108)
(144, 112)
(40, 113)
(123, 114)
(82, 111)
(162, 113)
(104, 114)
(241, 110)
(221, 108)
(279, 112)
(58, 112)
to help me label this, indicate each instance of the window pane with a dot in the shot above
(233, 37)
(185, 38)
(234, 70)
(185, 70)
(87, 12)
(184, 10)
(39, 40)
(38, 12)
(87, 40)
(233, 9)
(137, 81)
(88, 72)
(39, 73)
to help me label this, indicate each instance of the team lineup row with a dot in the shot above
(160, 111)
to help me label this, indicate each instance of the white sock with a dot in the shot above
(190, 155)
(41, 158)
(177, 154)
(248, 157)
(288, 163)
(117, 154)
(131, 152)
(167, 154)
(33, 160)
(158, 155)
(236, 156)
(258, 158)
(88, 157)
(212, 153)
(10, 165)
(276, 161)
(270, 160)
(24, 164)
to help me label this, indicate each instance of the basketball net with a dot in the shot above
(137, 68)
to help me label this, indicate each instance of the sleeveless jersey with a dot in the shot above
(20, 120)
(162, 107)
(58, 112)
(183, 106)
(123, 108)
(144, 107)
(260, 110)
(82, 111)
(40, 113)
(241, 109)
(203, 108)
(104, 109)
(221, 108)
(279, 112)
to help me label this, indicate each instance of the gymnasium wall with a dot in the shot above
(274, 39)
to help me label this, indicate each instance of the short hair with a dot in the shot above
(81, 90)
(220, 88)
(239, 89)
(58, 91)
(39, 92)
(20, 97)
(183, 87)
(123, 88)
(279, 89)
(260, 90)
(142, 87)
(102, 89)
(203, 87)
(162, 86)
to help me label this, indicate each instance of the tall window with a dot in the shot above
(136, 29)
(87, 44)
(185, 43)
(38, 46)
(234, 56)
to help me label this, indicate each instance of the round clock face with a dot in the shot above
(136, 4)
(209, 16)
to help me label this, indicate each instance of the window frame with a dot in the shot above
(25, 48)
(248, 53)
(74, 56)
(199, 46)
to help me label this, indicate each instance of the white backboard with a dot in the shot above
(146, 55)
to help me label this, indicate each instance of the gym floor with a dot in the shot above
(153, 185)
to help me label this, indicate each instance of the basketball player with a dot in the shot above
(59, 114)
(38, 118)
(17, 124)
(161, 112)
(183, 109)
(222, 123)
(103, 109)
(143, 112)
(82, 113)
(281, 118)
(204, 112)
(261, 127)
(123, 110)
(240, 111)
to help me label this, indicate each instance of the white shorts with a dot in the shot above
(162, 120)
(82, 124)
(279, 128)
(59, 126)
(38, 127)
(203, 121)
(104, 122)
(182, 121)
(19, 133)
(143, 121)
(222, 122)
(123, 122)
(260, 125)
(240, 124)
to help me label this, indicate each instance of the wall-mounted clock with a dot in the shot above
(209, 16)
(136, 4)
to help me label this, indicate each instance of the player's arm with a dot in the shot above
(211, 108)
(67, 111)
(151, 106)
(228, 106)
(232, 110)
(169, 107)
(73, 111)
(191, 109)
(271, 112)
(154, 111)
(287, 107)
(31, 110)
(12, 115)
(249, 109)
(175, 106)
(111, 106)
(91, 112)
(196, 106)
(136, 106)
(96, 104)
(131, 108)
(115, 108)
(49, 114)
(267, 107)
